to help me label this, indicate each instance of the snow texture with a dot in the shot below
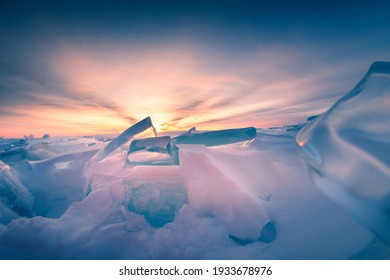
(347, 151)
(227, 202)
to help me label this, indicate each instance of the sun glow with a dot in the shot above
(178, 86)
(157, 126)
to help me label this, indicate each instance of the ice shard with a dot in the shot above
(163, 150)
(152, 151)
(216, 138)
(13, 196)
(347, 150)
(12, 150)
(124, 137)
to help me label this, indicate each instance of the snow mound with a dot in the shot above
(214, 189)
(347, 150)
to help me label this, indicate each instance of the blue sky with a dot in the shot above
(91, 67)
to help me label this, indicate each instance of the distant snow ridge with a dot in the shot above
(347, 150)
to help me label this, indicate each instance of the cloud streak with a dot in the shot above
(178, 85)
(82, 70)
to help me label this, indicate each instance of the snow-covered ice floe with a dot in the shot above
(252, 201)
(347, 151)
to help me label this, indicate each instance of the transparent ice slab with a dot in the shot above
(347, 150)
(216, 138)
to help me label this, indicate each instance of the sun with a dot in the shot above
(157, 126)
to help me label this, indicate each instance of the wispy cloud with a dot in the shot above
(80, 69)
(178, 85)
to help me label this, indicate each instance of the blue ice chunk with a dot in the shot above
(216, 138)
(347, 150)
(124, 137)
(7, 145)
(312, 118)
(13, 195)
(12, 150)
(190, 131)
(158, 202)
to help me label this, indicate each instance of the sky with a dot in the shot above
(96, 67)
